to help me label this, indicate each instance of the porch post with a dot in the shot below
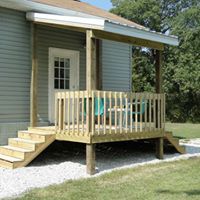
(90, 85)
(159, 89)
(34, 71)
(158, 66)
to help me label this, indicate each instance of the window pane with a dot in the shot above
(62, 62)
(56, 62)
(56, 73)
(56, 85)
(61, 84)
(67, 84)
(67, 72)
(61, 73)
(67, 63)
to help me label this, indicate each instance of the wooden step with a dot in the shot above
(8, 161)
(23, 143)
(14, 151)
(41, 130)
(31, 136)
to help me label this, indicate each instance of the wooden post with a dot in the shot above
(159, 148)
(90, 85)
(158, 66)
(159, 89)
(34, 71)
(90, 158)
(90, 61)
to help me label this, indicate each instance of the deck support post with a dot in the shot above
(158, 89)
(34, 72)
(159, 148)
(91, 84)
(90, 158)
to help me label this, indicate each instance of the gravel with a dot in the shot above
(66, 161)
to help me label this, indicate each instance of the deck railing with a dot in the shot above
(105, 112)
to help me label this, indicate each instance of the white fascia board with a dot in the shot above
(91, 23)
(140, 33)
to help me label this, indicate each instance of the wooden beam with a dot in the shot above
(90, 158)
(159, 148)
(34, 72)
(158, 67)
(127, 39)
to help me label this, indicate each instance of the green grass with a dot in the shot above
(178, 180)
(186, 130)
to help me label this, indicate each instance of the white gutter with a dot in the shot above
(104, 25)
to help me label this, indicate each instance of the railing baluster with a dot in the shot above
(68, 112)
(56, 111)
(159, 122)
(145, 110)
(150, 112)
(104, 116)
(121, 105)
(93, 115)
(78, 111)
(136, 112)
(110, 112)
(126, 99)
(98, 112)
(154, 111)
(64, 110)
(82, 109)
(115, 112)
(141, 102)
(131, 112)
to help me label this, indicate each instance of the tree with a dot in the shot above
(181, 64)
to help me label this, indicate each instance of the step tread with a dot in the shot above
(9, 158)
(27, 141)
(36, 132)
(17, 149)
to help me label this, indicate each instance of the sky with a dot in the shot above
(105, 4)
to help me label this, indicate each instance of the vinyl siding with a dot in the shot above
(116, 66)
(15, 66)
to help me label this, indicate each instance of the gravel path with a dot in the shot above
(65, 161)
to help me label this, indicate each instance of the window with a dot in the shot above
(61, 73)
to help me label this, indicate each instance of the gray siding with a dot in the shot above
(116, 66)
(15, 66)
(58, 38)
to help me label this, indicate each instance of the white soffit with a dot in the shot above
(104, 25)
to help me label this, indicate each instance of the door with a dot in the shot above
(63, 74)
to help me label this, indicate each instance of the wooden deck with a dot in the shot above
(114, 136)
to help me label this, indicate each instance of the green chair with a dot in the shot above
(97, 101)
(139, 112)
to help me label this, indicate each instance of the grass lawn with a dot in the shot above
(178, 180)
(186, 130)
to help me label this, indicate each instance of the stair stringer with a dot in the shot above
(175, 142)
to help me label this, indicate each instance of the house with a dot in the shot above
(65, 69)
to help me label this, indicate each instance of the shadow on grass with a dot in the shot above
(188, 192)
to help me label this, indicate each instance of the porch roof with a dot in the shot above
(149, 38)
